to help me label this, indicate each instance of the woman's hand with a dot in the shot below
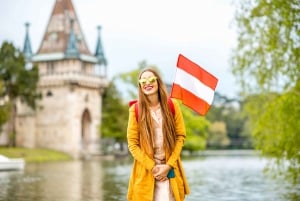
(160, 172)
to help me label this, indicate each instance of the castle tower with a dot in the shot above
(69, 114)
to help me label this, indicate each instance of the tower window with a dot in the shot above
(83, 67)
(49, 93)
(50, 68)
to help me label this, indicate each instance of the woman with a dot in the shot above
(155, 139)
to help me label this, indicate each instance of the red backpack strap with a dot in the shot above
(171, 104)
(132, 102)
(136, 111)
(135, 103)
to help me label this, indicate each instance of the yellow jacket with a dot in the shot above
(141, 182)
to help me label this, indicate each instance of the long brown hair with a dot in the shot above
(146, 127)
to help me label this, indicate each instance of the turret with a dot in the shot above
(99, 53)
(27, 45)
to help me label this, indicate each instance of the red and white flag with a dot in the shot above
(193, 85)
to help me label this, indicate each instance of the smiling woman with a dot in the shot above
(155, 140)
(148, 84)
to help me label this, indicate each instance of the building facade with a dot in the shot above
(71, 82)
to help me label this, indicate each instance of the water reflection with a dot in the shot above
(74, 181)
(235, 179)
(116, 178)
(223, 178)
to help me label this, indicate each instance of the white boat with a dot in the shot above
(11, 164)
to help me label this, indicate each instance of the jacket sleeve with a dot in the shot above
(180, 135)
(133, 141)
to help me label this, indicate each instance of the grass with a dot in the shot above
(34, 155)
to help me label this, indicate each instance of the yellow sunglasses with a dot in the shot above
(151, 80)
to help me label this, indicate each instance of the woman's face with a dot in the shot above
(148, 83)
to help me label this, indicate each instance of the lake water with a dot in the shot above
(213, 178)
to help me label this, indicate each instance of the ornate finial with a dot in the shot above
(27, 24)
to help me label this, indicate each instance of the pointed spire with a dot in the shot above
(56, 38)
(72, 50)
(99, 53)
(27, 45)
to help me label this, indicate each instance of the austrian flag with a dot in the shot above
(193, 85)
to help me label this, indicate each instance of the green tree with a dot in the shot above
(229, 112)
(19, 83)
(268, 48)
(266, 60)
(196, 130)
(114, 115)
(235, 125)
(4, 107)
(217, 137)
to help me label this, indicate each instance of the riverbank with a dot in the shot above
(34, 155)
(229, 152)
(46, 155)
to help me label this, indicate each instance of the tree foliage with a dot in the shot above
(228, 111)
(114, 114)
(4, 108)
(268, 49)
(18, 82)
(196, 130)
(266, 62)
(217, 137)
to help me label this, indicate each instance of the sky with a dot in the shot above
(133, 31)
